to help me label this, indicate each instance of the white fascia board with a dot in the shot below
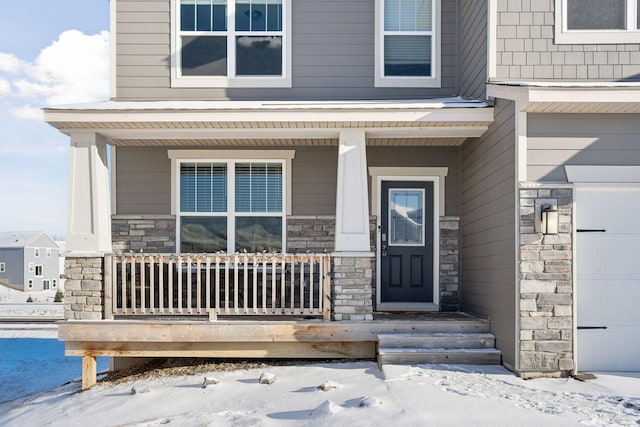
(412, 114)
(525, 94)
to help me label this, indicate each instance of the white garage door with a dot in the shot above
(608, 278)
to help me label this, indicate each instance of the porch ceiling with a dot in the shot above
(285, 142)
(270, 123)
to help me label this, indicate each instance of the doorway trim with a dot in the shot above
(423, 174)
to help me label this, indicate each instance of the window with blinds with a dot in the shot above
(231, 206)
(407, 42)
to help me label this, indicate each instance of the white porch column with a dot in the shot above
(89, 212)
(352, 207)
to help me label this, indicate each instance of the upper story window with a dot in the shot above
(2, 267)
(597, 21)
(36, 252)
(408, 43)
(231, 43)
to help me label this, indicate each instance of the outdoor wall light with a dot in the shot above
(548, 220)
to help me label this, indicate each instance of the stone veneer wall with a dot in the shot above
(352, 287)
(143, 233)
(317, 233)
(449, 263)
(546, 287)
(83, 289)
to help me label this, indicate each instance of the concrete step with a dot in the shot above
(437, 340)
(400, 356)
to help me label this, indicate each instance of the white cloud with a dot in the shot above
(27, 112)
(5, 87)
(9, 63)
(73, 69)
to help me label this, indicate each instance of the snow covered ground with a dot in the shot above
(13, 304)
(365, 396)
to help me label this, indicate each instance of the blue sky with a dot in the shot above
(51, 53)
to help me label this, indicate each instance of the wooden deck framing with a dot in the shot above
(241, 338)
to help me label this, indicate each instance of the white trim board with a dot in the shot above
(409, 173)
(438, 184)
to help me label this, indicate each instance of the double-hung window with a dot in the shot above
(2, 267)
(597, 21)
(233, 205)
(408, 43)
(231, 43)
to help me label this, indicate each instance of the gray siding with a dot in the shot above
(556, 140)
(14, 267)
(526, 49)
(423, 157)
(473, 47)
(50, 265)
(488, 228)
(332, 54)
(143, 184)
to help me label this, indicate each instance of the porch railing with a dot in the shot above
(217, 284)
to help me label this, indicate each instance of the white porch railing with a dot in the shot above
(217, 284)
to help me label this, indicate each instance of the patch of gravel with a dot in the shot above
(162, 368)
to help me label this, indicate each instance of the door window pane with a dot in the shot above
(198, 234)
(406, 217)
(407, 56)
(258, 234)
(596, 14)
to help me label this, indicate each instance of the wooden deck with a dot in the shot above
(258, 337)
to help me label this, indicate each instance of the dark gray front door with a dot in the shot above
(406, 241)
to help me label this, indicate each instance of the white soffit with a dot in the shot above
(603, 174)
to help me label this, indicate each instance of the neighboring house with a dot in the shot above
(416, 143)
(29, 261)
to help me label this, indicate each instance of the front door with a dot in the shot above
(406, 242)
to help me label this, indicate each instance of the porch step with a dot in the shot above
(438, 348)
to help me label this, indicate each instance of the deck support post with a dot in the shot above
(89, 372)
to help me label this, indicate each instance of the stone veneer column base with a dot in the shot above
(352, 285)
(546, 286)
(84, 289)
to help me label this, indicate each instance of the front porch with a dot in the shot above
(444, 338)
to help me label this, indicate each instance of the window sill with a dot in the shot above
(597, 37)
(409, 82)
(231, 83)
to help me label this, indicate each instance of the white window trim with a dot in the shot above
(48, 282)
(565, 36)
(30, 283)
(35, 271)
(30, 267)
(231, 157)
(36, 252)
(178, 80)
(3, 267)
(409, 81)
(54, 283)
(48, 252)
